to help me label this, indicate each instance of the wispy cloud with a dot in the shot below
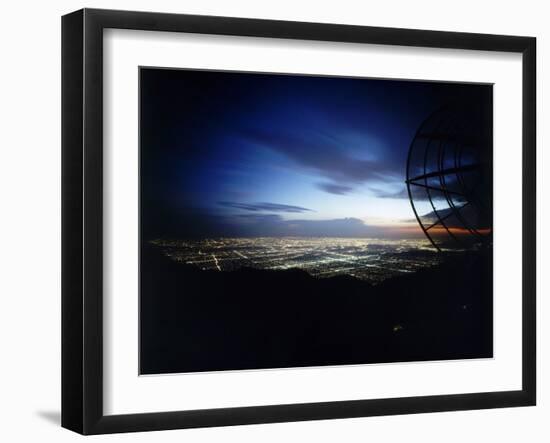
(271, 207)
(334, 188)
(401, 193)
(330, 157)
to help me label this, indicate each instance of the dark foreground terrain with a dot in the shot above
(193, 320)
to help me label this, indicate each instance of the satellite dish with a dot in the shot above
(449, 177)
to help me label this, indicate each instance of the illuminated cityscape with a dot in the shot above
(373, 260)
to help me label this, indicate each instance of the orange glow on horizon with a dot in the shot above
(413, 229)
(459, 231)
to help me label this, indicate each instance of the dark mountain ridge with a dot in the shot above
(194, 320)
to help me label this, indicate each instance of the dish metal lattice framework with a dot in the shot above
(449, 178)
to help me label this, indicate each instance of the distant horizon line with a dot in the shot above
(419, 237)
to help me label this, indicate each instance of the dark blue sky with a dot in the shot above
(243, 154)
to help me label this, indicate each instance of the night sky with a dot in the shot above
(239, 154)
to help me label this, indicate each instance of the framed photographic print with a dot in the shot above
(269, 221)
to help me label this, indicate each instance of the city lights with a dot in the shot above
(373, 260)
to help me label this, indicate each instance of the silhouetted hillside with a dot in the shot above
(194, 320)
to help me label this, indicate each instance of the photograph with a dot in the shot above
(292, 220)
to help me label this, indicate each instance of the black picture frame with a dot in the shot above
(82, 218)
